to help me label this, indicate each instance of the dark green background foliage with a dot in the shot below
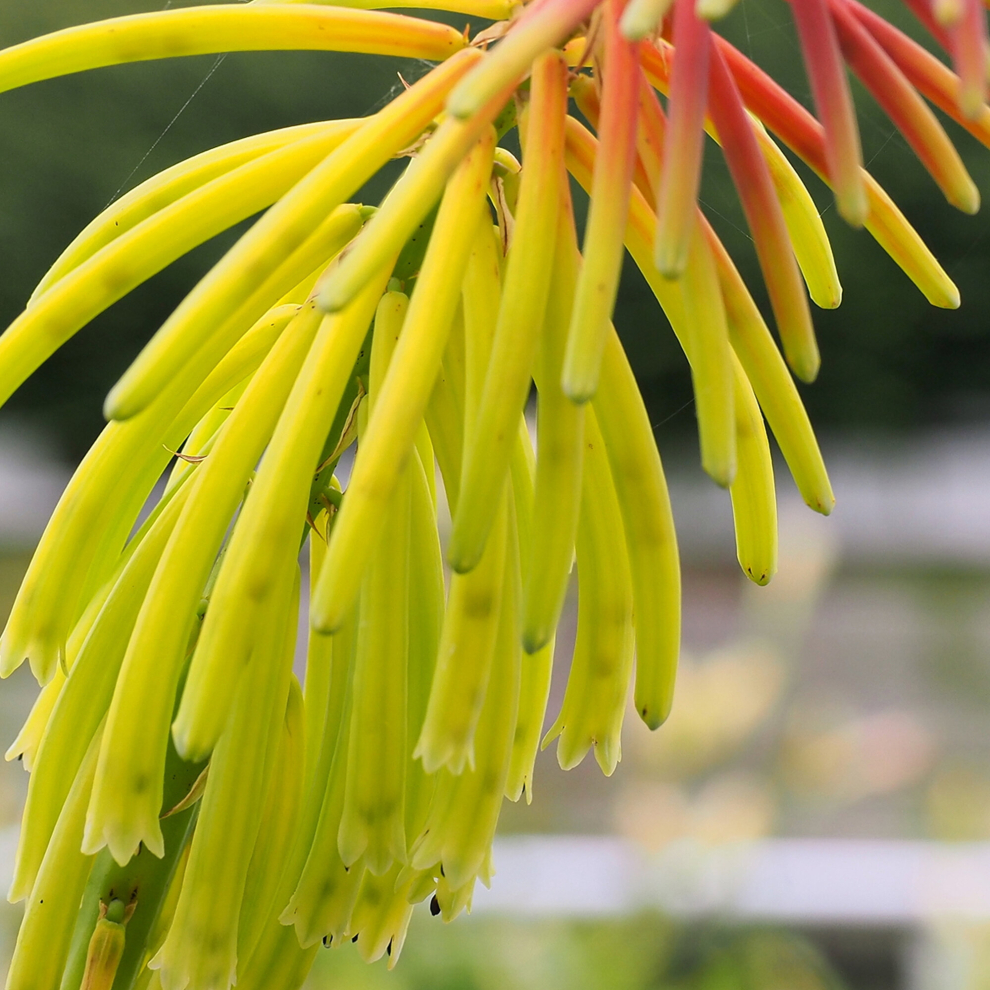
(68, 146)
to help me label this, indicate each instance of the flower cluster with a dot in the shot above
(215, 819)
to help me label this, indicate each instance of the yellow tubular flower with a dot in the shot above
(537, 667)
(143, 700)
(804, 224)
(406, 389)
(166, 188)
(598, 281)
(490, 435)
(650, 538)
(470, 348)
(754, 500)
(372, 823)
(323, 891)
(343, 376)
(86, 698)
(276, 830)
(560, 434)
(426, 613)
(464, 658)
(707, 347)
(50, 915)
(444, 416)
(222, 28)
(201, 947)
(281, 230)
(534, 692)
(598, 682)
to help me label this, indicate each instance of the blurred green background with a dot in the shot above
(848, 700)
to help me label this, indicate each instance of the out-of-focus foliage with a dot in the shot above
(645, 952)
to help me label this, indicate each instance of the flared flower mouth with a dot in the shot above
(415, 328)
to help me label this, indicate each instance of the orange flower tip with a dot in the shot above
(642, 17)
(714, 10)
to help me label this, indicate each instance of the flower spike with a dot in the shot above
(410, 334)
(560, 446)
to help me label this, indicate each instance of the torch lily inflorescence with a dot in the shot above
(215, 819)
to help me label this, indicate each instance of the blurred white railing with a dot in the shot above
(797, 881)
(30, 485)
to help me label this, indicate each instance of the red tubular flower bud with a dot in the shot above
(680, 176)
(598, 282)
(833, 101)
(932, 78)
(766, 221)
(909, 112)
(970, 50)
